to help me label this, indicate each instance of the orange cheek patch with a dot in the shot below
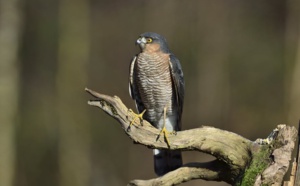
(152, 47)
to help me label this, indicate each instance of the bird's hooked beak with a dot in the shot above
(142, 41)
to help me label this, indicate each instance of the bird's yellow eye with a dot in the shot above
(149, 40)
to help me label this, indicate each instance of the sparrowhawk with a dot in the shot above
(156, 84)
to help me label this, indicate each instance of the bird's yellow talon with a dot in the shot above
(164, 129)
(165, 132)
(136, 116)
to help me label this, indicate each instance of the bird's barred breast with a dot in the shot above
(155, 84)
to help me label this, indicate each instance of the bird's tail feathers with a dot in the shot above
(166, 161)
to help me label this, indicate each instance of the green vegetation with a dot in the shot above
(260, 161)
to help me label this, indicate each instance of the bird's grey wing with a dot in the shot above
(178, 84)
(133, 90)
(132, 87)
(166, 160)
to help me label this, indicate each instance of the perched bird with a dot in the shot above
(156, 84)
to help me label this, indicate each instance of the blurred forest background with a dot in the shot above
(241, 61)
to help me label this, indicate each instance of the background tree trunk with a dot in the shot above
(10, 29)
(74, 130)
(212, 62)
(292, 54)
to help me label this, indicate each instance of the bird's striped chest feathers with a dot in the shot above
(154, 81)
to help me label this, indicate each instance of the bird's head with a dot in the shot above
(152, 42)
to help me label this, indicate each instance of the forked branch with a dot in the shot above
(234, 154)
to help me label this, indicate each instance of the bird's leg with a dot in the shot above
(164, 129)
(136, 116)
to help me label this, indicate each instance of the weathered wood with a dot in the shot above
(237, 158)
(280, 157)
(291, 182)
(297, 179)
(208, 171)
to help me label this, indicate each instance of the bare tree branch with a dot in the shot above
(210, 171)
(235, 156)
